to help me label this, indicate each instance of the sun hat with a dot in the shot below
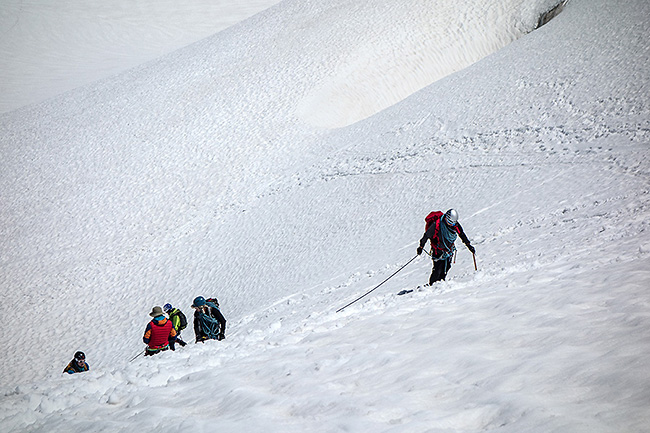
(157, 311)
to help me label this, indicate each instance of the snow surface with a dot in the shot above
(212, 171)
(48, 47)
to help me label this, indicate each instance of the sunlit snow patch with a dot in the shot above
(405, 51)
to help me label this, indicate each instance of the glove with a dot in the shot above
(419, 250)
(471, 248)
(221, 337)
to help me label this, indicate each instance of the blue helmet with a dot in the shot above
(199, 301)
(167, 308)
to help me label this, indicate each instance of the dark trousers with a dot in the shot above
(440, 269)
(178, 340)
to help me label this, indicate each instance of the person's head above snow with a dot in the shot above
(451, 217)
(199, 301)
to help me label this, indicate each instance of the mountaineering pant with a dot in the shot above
(172, 344)
(440, 269)
(179, 340)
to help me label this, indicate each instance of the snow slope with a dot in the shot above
(48, 47)
(199, 174)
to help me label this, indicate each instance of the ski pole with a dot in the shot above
(474, 256)
(377, 286)
(132, 359)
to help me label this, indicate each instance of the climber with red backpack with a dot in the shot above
(442, 230)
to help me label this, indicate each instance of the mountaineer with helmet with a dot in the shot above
(179, 322)
(442, 230)
(78, 364)
(209, 323)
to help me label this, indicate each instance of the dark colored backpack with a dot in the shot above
(213, 300)
(183, 320)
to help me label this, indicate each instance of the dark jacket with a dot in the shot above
(74, 367)
(203, 327)
(437, 247)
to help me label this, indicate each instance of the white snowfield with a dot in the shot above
(220, 170)
(48, 47)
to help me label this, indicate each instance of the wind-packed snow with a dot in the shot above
(376, 67)
(215, 170)
(49, 47)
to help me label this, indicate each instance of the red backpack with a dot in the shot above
(433, 217)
